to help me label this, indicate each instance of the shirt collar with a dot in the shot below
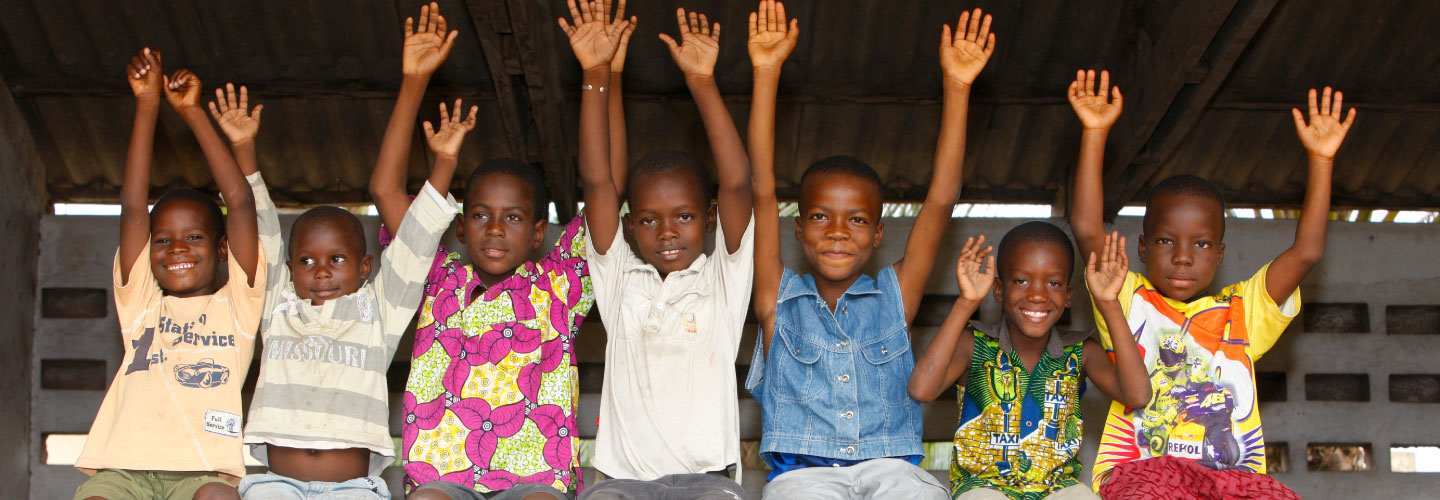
(804, 286)
(635, 263)
(1055, 347)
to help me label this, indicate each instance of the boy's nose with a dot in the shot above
(494, 228)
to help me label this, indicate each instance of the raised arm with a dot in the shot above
(145, 76)
(1322, 138)
(445, 144)
(1125, 380)
(771, 41)
(240, 126)
(962, 56)
(426, 47)
(594, 42)
(1098, 113)
(619, 148)
(948, 356)
(182, 90)
(695, 55)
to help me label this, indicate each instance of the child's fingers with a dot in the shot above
(620, 10)
(565, 27)
(574, 11)
(984, 30)
(444, 115)
(429, 130)
(449, 43)
(989, 45)
(409, 26)
(1349, 120)
(674, 48)
(1325, 102)
(230, 95)
(990, 265)
(778, 15)
(423, 24)
(794, 30)
(1299, 121)
(945, 38)
(219, 98)
(974, 29)
(457, 109)
(434, 17)
(1105, 84)
(753, 21)
(444, 28)
(714, 31)
(1115, 97)
(1314, 107)
(470, 121)
(256, 113)
(244, 98)
(704, 25)
(960, 27)
(214, 112)
(680, 20)
(1337, 109)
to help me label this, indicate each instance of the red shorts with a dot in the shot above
(1175, 478)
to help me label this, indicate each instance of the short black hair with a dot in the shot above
(1035, 231)
(326, 214)
(528, 175)
(1185, 185)
(217, 217)
(670, 161)
(843, 165)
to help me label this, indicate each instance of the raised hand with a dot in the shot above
(592, 38)
(426, 45)
(145, 74)
(963, 55)
(622, 31)
(771, 37)
(975, 270)
(1322, 137)
(1094, 106)
(239, 125)
(446, 141)
(699, 47)
(1105, 274)
(182, 89)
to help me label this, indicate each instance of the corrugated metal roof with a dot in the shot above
(864, 81)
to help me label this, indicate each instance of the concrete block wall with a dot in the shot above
(1370, 275)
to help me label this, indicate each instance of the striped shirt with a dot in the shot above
(322, 377)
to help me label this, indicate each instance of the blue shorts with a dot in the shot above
(270, 486)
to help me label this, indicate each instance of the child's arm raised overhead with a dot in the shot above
(1125, 380)
(696, 58)
(619, 149)
(445, 144)
(947, 358)
(961, 57)
(1322, 139)
(182, 90)
(771, 41)
(1098, 114)
(426, 47)
(145, 76)
(239, 125)
(594, 43)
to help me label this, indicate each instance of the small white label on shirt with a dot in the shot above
(223, 423)
(690, 326)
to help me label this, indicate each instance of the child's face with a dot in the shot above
(1181, 247)
(184, 252)
(1034, 287)
(669, 217)
(500, 228)
(839, 225)
(325, 261)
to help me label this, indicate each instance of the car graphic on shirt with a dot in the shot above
(202, 375)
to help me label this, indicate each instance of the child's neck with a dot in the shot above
(831, 291)
(490, 280)
(1029, 349)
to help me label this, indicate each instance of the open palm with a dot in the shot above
(1094, 106)
(593, 40)
(1325, 132)
(427, 46)
(447, 140)
(772, 38)
(963, 55)
(699, 45)
(1105, 274)
(230, 113)
(975, 270)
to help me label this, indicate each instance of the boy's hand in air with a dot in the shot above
(1106, 275)
(445, 143)
(238, 125)
(699, 45)
(593, 39)
(622, 31)
(182, 89)
(963, 55)
(1322, 137)
(145, 75)
(1094, 106)
(428, 44)
(771, 37)
(975, 270)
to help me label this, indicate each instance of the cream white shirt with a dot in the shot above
(669, 404)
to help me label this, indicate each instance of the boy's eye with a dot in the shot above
(817, 217)
(512, 217)
(337, 259)
(306, 261)
(1020, 281)
(1163, 241)
(647, 220)
(162, 241)
(193, 237)
(686, 217)
(858, 220)
(1054, 283)
(1202, 244)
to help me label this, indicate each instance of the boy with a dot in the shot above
(489, 409)
(1023, 369)
(320, 415)
(169, 426)
(1202, 426)
(669, 412)
(831, 367)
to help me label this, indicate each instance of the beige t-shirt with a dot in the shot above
(175, 402)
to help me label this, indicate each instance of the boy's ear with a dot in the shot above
(460, 227)
(1220, 256)
(1069, 290)
(539, 234)
(710, 218)
(998, 290)
(223, 249)
(365, 267)
(1140, 248)
(799, 230)
(879, 233)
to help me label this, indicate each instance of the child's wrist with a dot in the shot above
(1100, 130)
(1317, 157)
(598, 75)
(699, 80)
(953, 84)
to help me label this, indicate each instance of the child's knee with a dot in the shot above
(217, 491)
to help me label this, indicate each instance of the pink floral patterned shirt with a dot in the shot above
(493, 389)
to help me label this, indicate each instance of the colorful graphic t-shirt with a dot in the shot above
(175, 403)
(1019, 431)
(1200, 357)
(493, 387)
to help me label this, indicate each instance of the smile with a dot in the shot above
(180, 266)
(1036, 316)
(670, 254)
(494, 253)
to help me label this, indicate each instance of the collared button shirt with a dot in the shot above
(834, 383)
(670, 402)
(491, 398)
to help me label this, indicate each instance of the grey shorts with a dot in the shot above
(671, 487)
(878, 479)
(458, 492)
(271, 486)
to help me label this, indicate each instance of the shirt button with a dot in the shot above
(849, 450)
(841, 343)
(884, 351)
(844, 378)
(849, 415)
(1029, 423)
(844, 309)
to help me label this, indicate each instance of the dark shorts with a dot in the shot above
(671, 487)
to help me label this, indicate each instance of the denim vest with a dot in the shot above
(834, 385)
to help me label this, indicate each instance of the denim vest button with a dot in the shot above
(844, 378)
(848, 415)
(841, 343)
(884, 350)
(849, 450)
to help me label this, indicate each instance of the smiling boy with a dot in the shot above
(1203, 425)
